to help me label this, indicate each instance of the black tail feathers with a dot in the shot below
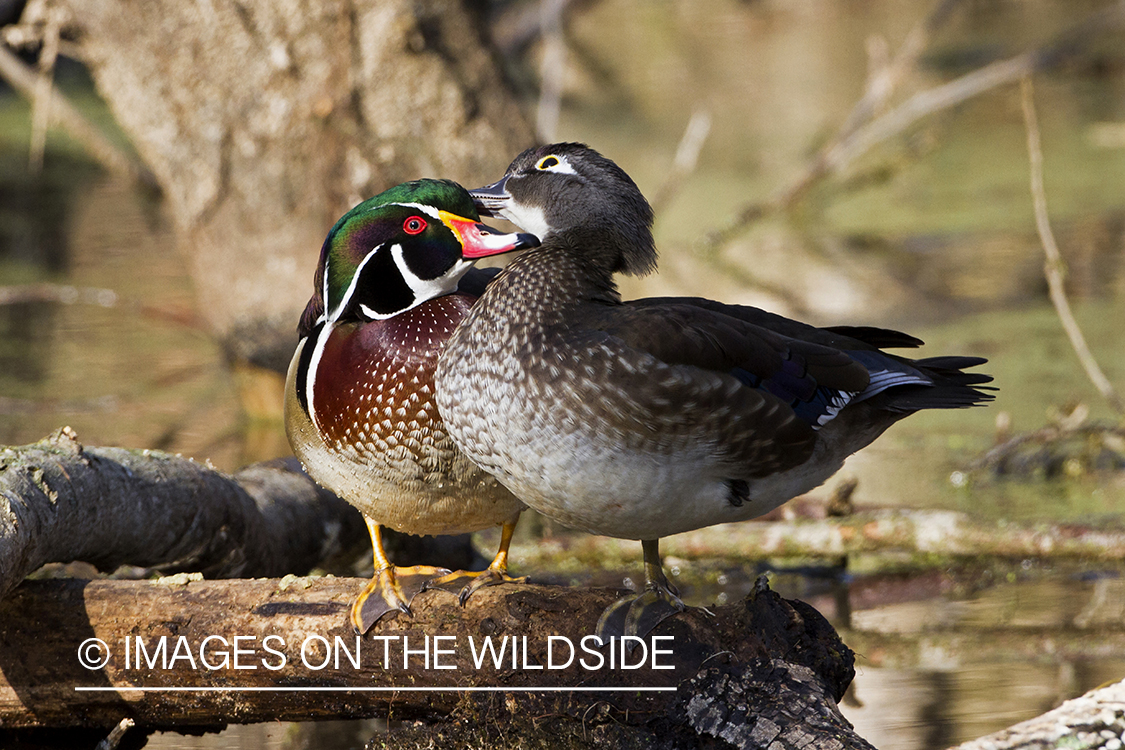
(952, 387)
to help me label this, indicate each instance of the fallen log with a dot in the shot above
(61, 501)
(937, 534)
(764, 672)
(1093, 720)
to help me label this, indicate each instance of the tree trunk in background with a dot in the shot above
(265, 120)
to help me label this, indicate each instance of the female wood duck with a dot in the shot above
(390, 288)
(647, 418)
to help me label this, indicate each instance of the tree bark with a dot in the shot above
(265, 120)
(765, 672)
(61, 502)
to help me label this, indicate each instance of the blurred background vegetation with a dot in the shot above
(718, 110)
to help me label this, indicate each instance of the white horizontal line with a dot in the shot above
(208, 689)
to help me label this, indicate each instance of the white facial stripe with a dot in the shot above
(369, 313)
(426, 289)
(428, 210)
(334, 314)
(314, 362)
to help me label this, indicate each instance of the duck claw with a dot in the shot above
(612, 622)
(391, 589)
(649, 610)
(479, 580)
(636, 615)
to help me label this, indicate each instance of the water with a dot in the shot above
(932, 232)
(965, 665)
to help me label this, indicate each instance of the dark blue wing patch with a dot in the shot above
(814, 404)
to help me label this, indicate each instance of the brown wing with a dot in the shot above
(688, 334)
(853, 338)
(733, 381)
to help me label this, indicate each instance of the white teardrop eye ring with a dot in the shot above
(414, 225)
(547, 162)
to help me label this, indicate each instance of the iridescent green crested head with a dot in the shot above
(398, 249)
(445, 195)
(375, 221)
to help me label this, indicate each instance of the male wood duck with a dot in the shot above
(390, 287)
(642, 419)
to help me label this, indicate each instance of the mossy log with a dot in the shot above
(764, 672)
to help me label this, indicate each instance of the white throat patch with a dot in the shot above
(529, 218)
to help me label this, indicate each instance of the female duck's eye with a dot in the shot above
(414, 225)
(547, 162)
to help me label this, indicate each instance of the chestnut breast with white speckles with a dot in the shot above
(372, 432)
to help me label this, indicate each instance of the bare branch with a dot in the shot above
(15, 72)
(687, 156)
(880, 87)
(114, 739)
(926, 103)
(63, 294)
(883, 82)
(44, 88)
(868, 531)
(1008, 456)
(855, 139)
(1055, 268)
